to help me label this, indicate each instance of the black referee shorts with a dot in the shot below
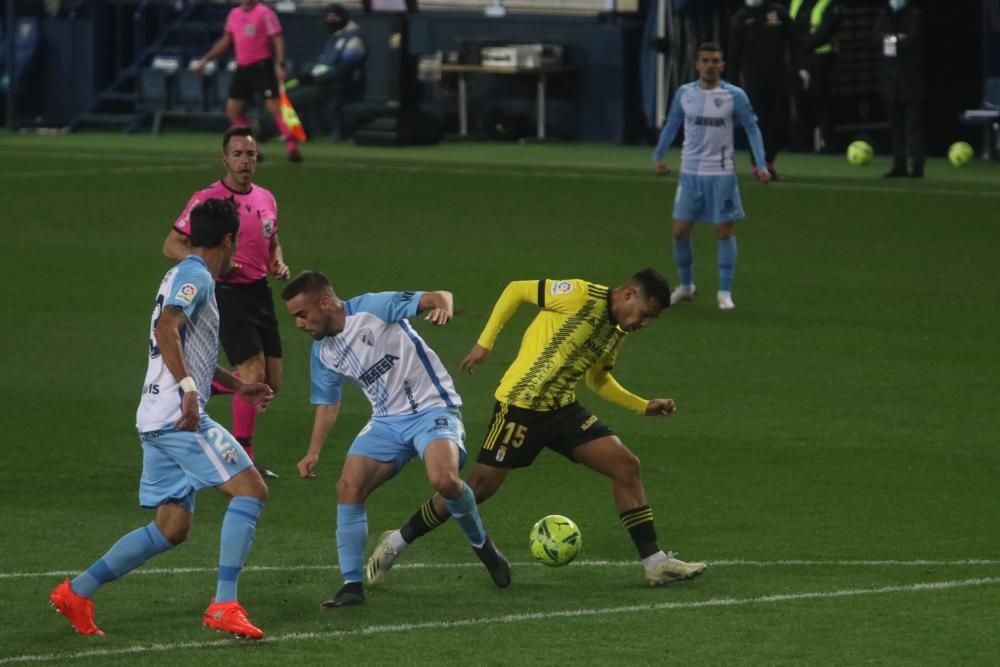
(516, 435)
(256, 77)
(247, 325)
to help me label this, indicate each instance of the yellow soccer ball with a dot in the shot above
(960, 153)
(859, 153)
(555, 540)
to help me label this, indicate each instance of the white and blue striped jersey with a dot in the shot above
(190, 287)
(708, 118)
(381, 353)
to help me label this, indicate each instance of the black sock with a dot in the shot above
(639, 524)
(423, 521)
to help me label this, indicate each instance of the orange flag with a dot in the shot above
(291, 118)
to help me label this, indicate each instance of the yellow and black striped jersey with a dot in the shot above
(573, 334)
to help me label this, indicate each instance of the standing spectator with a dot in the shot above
(818, 22)
(763, 55)
(254, 32)
(899, 30)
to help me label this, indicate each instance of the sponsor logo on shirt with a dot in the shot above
(249, 29)
(501, 453)
(186, 293)
(707, 120)
(377, 370)
(561, 287)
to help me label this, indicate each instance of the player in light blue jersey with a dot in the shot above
(707, 190)
(184, 450)
(415, 411)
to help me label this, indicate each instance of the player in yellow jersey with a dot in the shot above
(575, 336)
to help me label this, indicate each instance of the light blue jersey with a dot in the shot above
(382, 354)
(190, 287)
(708, 119)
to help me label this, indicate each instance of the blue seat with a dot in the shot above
(156, 86)
(191, 89)
(987, 116)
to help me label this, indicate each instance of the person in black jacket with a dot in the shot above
(818, 22)
(764, 48)
(899, 30)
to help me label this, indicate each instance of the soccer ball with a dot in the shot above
(555, 540)
(960, 153)
(859, 153)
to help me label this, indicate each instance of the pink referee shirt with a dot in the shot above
(252, 32)
(258, 225)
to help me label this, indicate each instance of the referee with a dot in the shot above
(254, 32)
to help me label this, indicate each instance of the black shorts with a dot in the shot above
(257, 77)
(517, 435)
(247, 325)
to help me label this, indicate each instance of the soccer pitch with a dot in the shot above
(834, 457)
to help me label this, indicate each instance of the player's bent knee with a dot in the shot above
(628, 467)
(348, 492)
(449, 485)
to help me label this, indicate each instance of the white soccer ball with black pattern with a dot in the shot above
(555, 540)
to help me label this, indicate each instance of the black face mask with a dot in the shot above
(334, 26)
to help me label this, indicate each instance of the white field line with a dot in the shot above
(514, 170)
(576, 564)
(512, 619)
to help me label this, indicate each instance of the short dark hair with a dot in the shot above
(338, 9)
(237, 131)
(653, 285)
(211, 221)
(709, 46)
(307, 282)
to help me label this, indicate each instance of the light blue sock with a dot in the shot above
(128, 553)
(238, 528)
(466, 513)
(727, 263)
(684, 257)
(352, 534)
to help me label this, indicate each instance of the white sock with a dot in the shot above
(397, 542)
(650, 562)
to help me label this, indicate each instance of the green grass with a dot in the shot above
(844, 412)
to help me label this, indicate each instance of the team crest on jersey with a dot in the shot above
(367, 337)
(230, 455)
(501, 453)
(186, 293)
(561, 287)
(772, 18)
(267, 226)
(249, 30)
(718, 102)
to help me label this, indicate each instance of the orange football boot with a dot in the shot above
(231, 617)
(77, 609)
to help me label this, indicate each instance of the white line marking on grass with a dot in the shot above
(102, 171)
(576, 564)
(516, 618)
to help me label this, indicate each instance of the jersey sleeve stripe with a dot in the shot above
(541, 293)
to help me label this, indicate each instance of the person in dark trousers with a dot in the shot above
(899, 31)
(818, 22)
(764, 50)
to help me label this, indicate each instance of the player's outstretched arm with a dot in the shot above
(661, 407)
(168, 340)
(326, 417)
(217, 50)
(439, 305)
(256, 394)
(477, 355)
(600, 380)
